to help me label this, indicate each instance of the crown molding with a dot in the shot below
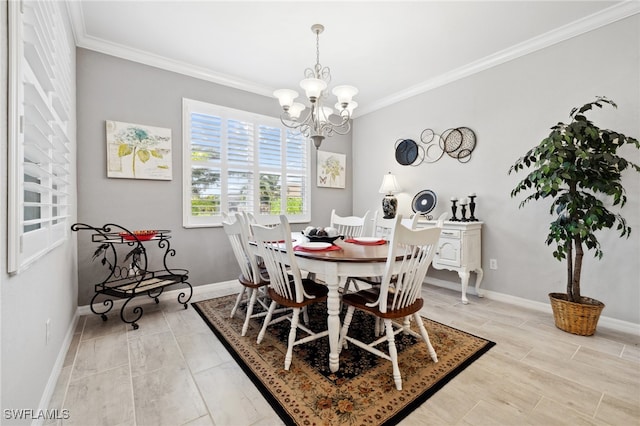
(135, 55)
(589, 23)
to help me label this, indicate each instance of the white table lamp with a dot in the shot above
(389, 202)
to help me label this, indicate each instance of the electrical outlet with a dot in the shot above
(493, 263)
(47, 326)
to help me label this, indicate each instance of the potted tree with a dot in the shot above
(578, 167)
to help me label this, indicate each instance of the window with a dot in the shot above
(236, 161)
(41, 128)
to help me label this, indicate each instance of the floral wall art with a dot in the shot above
(135, 151)
(331, 169)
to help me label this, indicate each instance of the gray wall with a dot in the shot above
(115, 89)
(47, 289)
(511, 108)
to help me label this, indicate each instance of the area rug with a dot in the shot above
(362, 392)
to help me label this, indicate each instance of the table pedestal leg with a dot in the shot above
(333, 324)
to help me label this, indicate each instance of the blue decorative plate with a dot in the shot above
(406, 151)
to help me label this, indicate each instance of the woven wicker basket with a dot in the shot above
(576, 318)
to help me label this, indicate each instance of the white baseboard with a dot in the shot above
(610, 323)
(56, 370)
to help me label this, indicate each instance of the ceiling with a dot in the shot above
(388, 50)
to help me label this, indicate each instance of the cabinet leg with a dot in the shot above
(479, 275)
(464, 277)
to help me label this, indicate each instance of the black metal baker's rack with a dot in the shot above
(127, 274)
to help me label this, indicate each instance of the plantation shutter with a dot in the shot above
(240, 159)
(206, 152)
(237, 161)
(41, 130)
(297, 181)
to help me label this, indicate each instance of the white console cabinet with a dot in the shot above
(459, 249)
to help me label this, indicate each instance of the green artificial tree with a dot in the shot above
(577, 166)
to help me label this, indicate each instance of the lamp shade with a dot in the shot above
(344, 93)
(389, 184)
(295, 110)
(285, 97)
(313, 87)
(352, 105)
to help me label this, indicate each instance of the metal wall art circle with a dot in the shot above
(433, 151)
(459, 143)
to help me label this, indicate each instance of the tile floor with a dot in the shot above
(174, 371)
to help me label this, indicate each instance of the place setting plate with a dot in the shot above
(368, 241)
(312, 245)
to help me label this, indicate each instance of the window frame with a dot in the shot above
(191, 106)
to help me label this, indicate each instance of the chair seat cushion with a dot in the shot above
(361, 298)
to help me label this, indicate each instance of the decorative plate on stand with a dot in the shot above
(424, 202)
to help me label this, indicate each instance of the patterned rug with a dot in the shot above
(362, 392)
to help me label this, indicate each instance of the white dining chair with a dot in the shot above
(252, 278)
(286, 286)
(349, 226)
(382, 228)
(399, 296)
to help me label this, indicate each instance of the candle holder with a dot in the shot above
(463, 207)
(472, 208)
(454, 209)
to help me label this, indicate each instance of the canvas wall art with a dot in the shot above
(331, 169)
(136, 151)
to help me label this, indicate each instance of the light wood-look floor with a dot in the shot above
(174, 371)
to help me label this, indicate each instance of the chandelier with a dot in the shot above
(319, 120)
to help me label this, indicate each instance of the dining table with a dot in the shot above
(333, 267)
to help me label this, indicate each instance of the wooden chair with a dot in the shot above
(349, 226)
(400, 299)
(286, 286)
(252, 278)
